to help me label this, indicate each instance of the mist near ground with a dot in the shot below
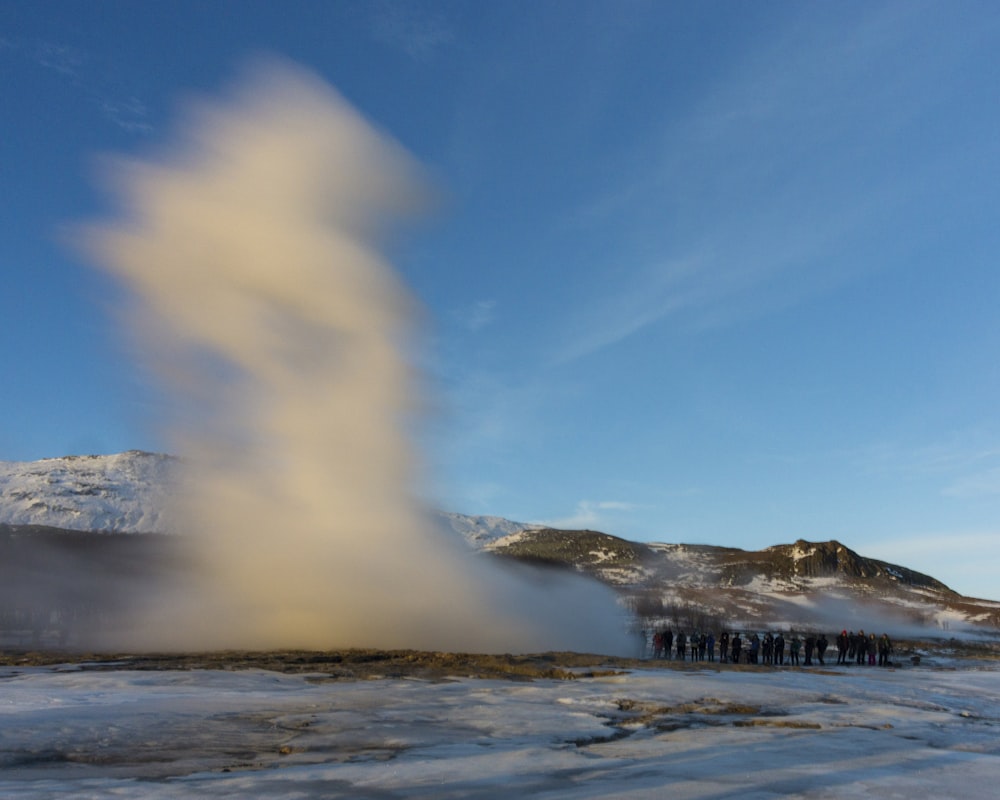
(260, 298)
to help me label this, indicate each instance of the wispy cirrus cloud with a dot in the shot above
(753, 192)
(130, 114)
(414, 30)
(589, 514)
(76, 68)
(976, 484)
(60, 58)
(477, 316)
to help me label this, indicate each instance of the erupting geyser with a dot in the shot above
(262, 303)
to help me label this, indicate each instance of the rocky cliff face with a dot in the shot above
(804, 560)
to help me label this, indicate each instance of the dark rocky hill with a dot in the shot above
(801, 584)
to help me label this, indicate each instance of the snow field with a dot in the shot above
(651, 733)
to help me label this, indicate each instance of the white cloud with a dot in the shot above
(977, 484)
(76, 68)
(129, 115)
(416, 33)
(477, 316)
(589, 514)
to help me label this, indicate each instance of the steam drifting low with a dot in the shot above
(263, 304)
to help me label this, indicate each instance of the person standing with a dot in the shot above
(842, 647)
(884, 649)
(724, 647)
(779, 650)
(710, 646)
(681, 645)
(821, 644)
(737, 646)
(795, 647)
(810, 647)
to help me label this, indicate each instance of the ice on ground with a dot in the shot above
(865, 733)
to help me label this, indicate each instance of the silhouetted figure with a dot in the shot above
(779, 650)
(842, 646)
(821, 644)
(884, 650)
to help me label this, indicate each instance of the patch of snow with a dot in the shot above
(871, 734)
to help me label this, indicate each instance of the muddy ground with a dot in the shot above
(366, 664)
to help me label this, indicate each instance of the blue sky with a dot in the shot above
(711, 272)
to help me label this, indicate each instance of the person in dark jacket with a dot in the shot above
(724, 647)
(842, 648)
(884, 650)
(779, 650)
(736, 646)
(668, 643)
(681, 645)
(810, 647)
(821, 644)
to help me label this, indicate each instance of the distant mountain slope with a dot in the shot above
(800, 584)
(478, 531)
(122, 493)
(784, 585)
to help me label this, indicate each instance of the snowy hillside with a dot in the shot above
(128, 493)
(480, 532)
(784, 585)
(122, 493)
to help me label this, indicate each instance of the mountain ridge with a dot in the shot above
(784, 584)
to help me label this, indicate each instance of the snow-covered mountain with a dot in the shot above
(122, 493)
(784, 585)
(480, 532)
(129, 492)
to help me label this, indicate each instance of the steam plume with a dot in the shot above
(264, 305)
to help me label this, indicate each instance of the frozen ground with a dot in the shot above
(73, 731)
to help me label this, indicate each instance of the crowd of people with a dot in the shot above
(771, 649)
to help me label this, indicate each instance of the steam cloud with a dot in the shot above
(264, 305)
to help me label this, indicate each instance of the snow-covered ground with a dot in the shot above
(858, 732)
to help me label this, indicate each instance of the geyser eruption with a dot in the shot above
(263, 304)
